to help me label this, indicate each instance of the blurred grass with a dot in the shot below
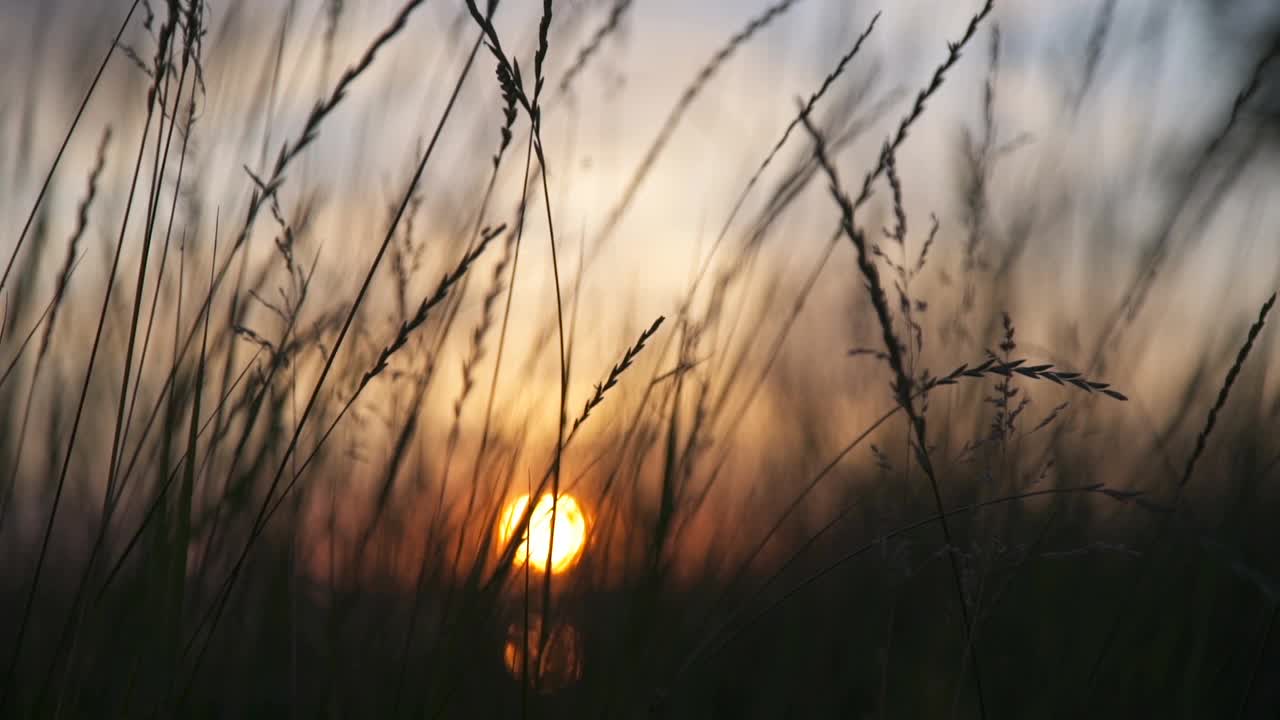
(239, 482)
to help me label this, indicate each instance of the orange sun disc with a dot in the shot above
(570, 532)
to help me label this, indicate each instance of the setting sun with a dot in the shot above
(570, 532)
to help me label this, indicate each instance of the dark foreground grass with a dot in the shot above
(257, 440)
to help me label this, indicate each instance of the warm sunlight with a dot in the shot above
(332, 333)
(553, 665)
(570, 531)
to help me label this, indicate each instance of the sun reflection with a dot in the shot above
(554, 664)
(570, 532)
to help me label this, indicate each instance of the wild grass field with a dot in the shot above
(622, 359)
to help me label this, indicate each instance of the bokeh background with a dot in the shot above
(1089, 188)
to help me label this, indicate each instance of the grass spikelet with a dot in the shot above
(73, 245)
(993, 366)
(211, 618)
(812, 102)
(324, 107)
(805, 110)
(616, 372)
(1225, 390)
(690, 93)
(429, 302)
(326, 458)
(609, 27)
(66, 140)
(866, 264)
(892, 145)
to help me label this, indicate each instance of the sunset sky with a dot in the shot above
(1165, 74)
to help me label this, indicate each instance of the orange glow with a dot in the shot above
(553, 664)
(570, 532)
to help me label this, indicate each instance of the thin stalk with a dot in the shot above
(48, 178)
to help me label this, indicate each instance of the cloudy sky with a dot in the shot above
(1167, 72)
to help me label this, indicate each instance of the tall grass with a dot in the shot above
(918, 446)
